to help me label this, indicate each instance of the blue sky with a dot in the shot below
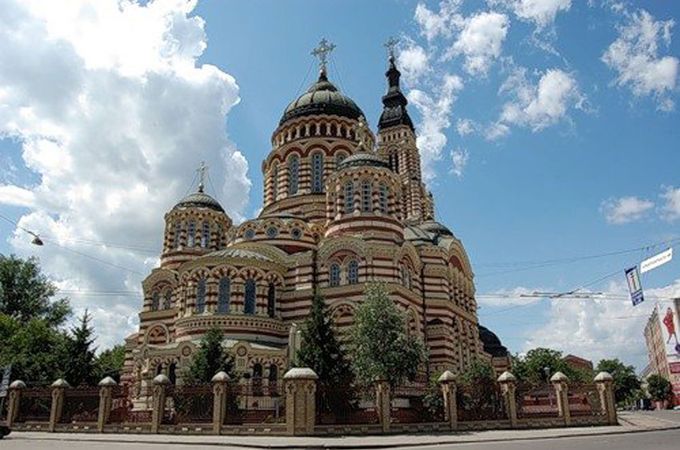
(585, 163)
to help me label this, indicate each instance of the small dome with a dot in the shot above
(322, 98)
(432, 226)
(492, 345)
(238, 253)
(199, 200)
(363, 159)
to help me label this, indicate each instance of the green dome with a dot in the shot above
(322, 98)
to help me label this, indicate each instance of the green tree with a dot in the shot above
(210, 358)
(626, 383)
(109, 363)
(81, 367)
(659, 388)
(321, 351)
(478, 390)
(26, 293)
(539, 364)
(379, 344)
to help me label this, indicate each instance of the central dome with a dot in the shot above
(322, 98)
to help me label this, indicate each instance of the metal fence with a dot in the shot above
(584, 400)
(81, 404)
(254, 403)
(191, 404)
(536, 400)
(35, 405)
(417, 402)
(480, 402)
(345, 406)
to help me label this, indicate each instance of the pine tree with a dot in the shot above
(210, 358)
(81, 367)
(381, 348)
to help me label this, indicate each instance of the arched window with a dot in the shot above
(366, 196)
(155, 301)
(178, 232)
(394, 161)
(293, 174)
(339, 157)
(349, 197)
(257, 379)
(275, 182)
(200, 296)
(334, 275)
(172, 373)
(223, 295)
(383, 198)
(273, 379)
(191, 234)
(205, 235)
(249, 306)
(353, 272)
(167, 299)
(271, 300)
(317, 172)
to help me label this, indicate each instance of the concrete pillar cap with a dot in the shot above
(507, 377)
(17, 384)
(107, 381)
(300, 373)
(220, 377)
(60, 383)
(446, 377)
(559, 377)
(604, 376)
(161, 379)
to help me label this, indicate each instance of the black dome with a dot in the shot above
(492, 345)
(322, 98)
(199, 200)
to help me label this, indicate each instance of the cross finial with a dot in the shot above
(201, 176)
(391, 44)
(322, 52)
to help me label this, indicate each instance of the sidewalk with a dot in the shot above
(630, 423)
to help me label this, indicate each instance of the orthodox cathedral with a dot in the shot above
(342, 207)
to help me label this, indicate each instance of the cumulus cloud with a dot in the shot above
(537, 106)
(671, 208)
(625, 209)
(413, 63)
(436, 118)
(459, 159)
(599, 328)
(112, 111)
(442, 23)
(465, 126)
(634, 55)
(542, 13)
(480, 41)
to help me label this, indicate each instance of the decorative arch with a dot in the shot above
(157, 334)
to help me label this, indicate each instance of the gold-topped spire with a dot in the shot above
(322, 52)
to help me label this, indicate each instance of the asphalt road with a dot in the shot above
(656, 440)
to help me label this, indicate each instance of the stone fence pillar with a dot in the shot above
(605, 386)
(106, 386)
(508, 388)
(383, 404)
(560, 383)
(58, 388)
(219, 381)
(160, 388)
(447, 381)
(14, 401)
(300, 388)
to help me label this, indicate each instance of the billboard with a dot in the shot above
(670, 328)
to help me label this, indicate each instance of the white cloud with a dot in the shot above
(671, 208)
(112, 111)
(540, 12)
(480, 41)
(433, 24)
(518, 296)
(465, 127)
(436, 117)
(601, 328)
(413, 62)
(634, 56)
(537, 106)
(625, 209)
(459, 159)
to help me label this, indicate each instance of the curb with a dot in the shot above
(351, 446)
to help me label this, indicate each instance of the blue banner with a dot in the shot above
(634, 285)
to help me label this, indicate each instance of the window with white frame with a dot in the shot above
(383, 198)
(349, 197)
(191, 234)
(366, 196)
(205, 235)
(353, 272)
(334, 275)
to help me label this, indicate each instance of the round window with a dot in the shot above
(296, 233)
(272, 232)
(249, 234)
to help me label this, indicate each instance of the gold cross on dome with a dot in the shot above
(322, 52)
(390, 45)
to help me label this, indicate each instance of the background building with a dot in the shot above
(663, 346)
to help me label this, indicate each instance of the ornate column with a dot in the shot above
(383, 404)
(605, 386)
(219, 381)
(15, 389)
(447, 381)
(559, 381)
(58, 388)
(106, 385)
(507, 382)
(300, 388)
(160, 386)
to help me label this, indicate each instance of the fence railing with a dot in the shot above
(344, 406)
(584, 400)
(480, 402)
(535, 401)
(81, 405)
(35, 405)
